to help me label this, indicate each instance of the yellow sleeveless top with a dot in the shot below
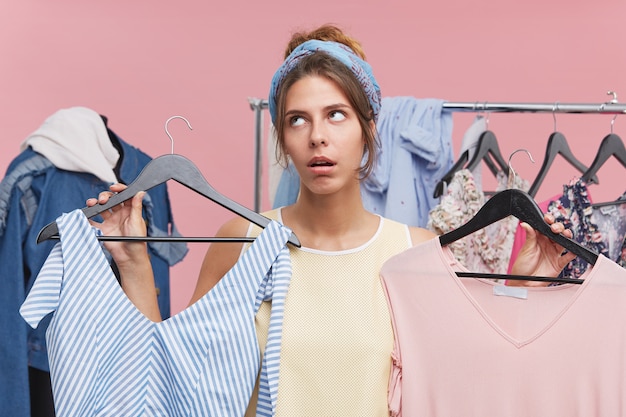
(337, 337)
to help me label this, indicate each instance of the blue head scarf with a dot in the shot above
(361, 70)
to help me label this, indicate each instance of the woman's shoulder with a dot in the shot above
(417, 234)
(237, 226)
(240, 226)
(274, 214)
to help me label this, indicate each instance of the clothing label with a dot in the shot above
(606, 210)
(515, 292)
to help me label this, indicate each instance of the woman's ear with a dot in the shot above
(372, 125)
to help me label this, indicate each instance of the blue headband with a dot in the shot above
(361, 69)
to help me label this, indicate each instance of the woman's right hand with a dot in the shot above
(131, 257)
(124, 219)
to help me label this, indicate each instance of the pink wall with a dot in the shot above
(141, 62)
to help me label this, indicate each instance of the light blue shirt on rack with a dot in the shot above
(416, 138)
(416, 141)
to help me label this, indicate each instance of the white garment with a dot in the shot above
(470, 142)
(76, 139)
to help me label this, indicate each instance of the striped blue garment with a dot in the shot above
(107, 359)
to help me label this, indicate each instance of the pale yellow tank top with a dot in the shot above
(337, 337)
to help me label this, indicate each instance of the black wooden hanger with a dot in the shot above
(521, 205)
(486, 149)
(458, 165)
(611, 145)
(158, 171)
(557, 145)
(487, 145)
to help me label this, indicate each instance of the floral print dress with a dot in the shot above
(602, 229)
(487, 250)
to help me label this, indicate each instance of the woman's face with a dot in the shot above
(322, 135)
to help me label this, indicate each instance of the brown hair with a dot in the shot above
(325, 33)
(322, 64)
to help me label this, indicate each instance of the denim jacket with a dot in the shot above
(34, 193)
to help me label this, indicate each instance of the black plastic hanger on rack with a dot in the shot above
(487, 145)
(611, 145)
(458, 165)
(557, 145)
(521, 205)
(158, 171)
(486, 149)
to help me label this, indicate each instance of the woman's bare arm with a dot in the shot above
(220, 257)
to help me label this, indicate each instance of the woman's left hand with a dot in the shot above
(540, 255)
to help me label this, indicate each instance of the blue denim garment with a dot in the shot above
(34, 193)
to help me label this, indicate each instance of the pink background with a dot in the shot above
(140, 62)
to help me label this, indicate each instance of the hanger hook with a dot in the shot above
(511, 170)
(613, 122)
(480, 109)
(614, 94)
(613, 101)
(167, 132)
(555, 108)
(486, 115)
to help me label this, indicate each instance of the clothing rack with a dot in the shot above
(610, 107)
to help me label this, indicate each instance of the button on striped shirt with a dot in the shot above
(107, 359)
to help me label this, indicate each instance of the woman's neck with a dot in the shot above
(330, 222)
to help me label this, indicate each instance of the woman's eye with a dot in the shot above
(296, 121)
(337, 116)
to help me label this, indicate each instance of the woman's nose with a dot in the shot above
(318, 136)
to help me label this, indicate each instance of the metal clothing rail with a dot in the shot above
(610, 107)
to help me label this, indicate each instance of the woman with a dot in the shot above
(336, 334)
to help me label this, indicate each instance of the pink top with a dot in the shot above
(461, 349)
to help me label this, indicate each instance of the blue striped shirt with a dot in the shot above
(108, 359)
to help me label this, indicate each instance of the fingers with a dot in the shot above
(118, 187)
(564, 259)
(136, 206)
(104, 196)
(557, 227)
(531, 234)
